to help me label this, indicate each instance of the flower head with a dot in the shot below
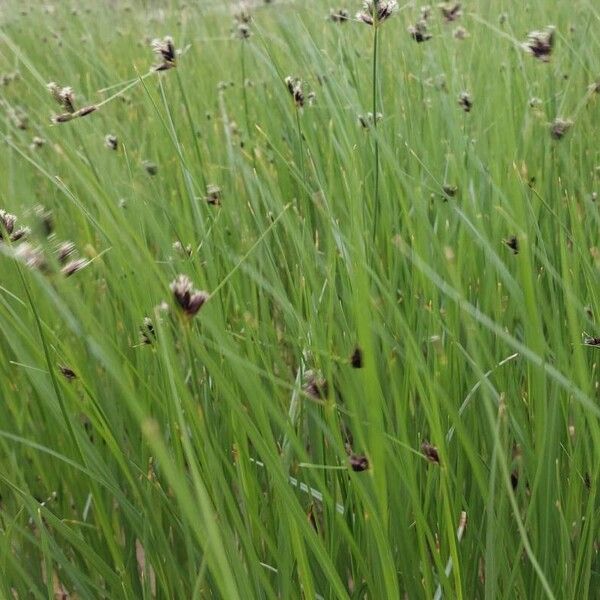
(358, 462)
(165, 50)
(540, 43)
(188, 299)
(8, 228)
(111, 142)
(375, 12)
(419, 32)
(430, 452)
(63, 96)
(294, 86)
(465, 101)
(340, 15)
(559, 128)
(451, 11)
(315, 385)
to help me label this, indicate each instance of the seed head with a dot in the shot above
(111, 142)
(64, 251)
(7, 223)
(188, 299)
(465, 101)
(559, 128)
(147, 331)
(86, 110)
(540, 43)
(165, 49)
(37, 142)
(294, 86)
(366, 121)
(460, 33)
(356, 358)
(150, 167)
(31, 256)
(8, 229)
(359, 462)
(242, 31)
(451, 11)
(375, 12)
(449, 190)
(73, 266)
(589, 340)
(67, 373)
(430, 452)
(181, 249)
(513, 243)
(242, 14)
(213, 194)
(45, 220)
(419, 33)
(63, 96)
(315, 385)
(340, 15)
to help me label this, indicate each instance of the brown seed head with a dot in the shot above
(375, 12)
(358, 462)
(430, 452)
(540, 43)
(188, 299)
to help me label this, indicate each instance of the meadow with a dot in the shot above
(299, 300)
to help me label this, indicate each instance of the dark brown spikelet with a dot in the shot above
(513, 243)
(430, 452)
(213, 194)
(540, 43)
(358, 462)
(449, 190)
(465, 101)
(73, 266)
(559, 128)
(64, 251)
(111, 142)
(356, 358)
(419, 32)
(315, 385)
(150, 167)
(451, 11)
(63, 96)
(165, 49)
(340, 15)
(45, 220)
(8, 228)
(188, 299)
(514, 479)
(294, 86)
(375, 12)
(590, 340)
(67, 373)
(62, 118)
(86, 110)
(147, 331)
(32, 256)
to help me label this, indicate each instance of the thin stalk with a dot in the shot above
(244, 91)
(299, 129)
(376, 153)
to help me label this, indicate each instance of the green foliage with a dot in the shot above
(392, 341)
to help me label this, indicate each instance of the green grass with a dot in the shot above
(201, 465)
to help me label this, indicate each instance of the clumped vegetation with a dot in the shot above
(299, 300)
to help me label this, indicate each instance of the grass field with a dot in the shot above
(299, 305)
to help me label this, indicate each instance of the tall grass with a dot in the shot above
(241, 453)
